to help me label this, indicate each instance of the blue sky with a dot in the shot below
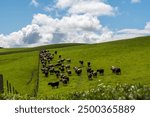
(130, 15)
(38, 22)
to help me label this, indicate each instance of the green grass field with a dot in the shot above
(20, 66)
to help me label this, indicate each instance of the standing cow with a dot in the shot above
(116, 70)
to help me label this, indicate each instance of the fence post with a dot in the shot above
(7, 87)
(1, 84)
(13, 90)
(16, 92)
(10, 87)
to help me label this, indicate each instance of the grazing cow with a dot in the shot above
(58, 64)
(115, 70)
(90, 76)
(62, 69)
(68, 60)
(54, 84)
(62, 76)
(59, 61)
(94, 74)
(88, 69)
(77, 70)
(62, 60)
(51, 57)
(43, 69)
(46, 73)
(69, 72)
(88, 63)
(67, 78)
(48, 59)
(43, 63)
(57, 72)
(67, 66)
(100, 71)
(57, 75)
(55, 52)
(81, 62)
(59, 56)
(51, 70)
(64, 81)
(50, 65)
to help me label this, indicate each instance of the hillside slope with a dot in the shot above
(20, 66)
(132, 56)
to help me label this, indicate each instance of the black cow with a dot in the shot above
(81, 62)
(55, 52)
(51, 70)
(68, 60)
(57, 74)
(57, 71)
(54, 84)
(77, 70)
(58, 64)
(116, 70)
(89, 63)
(100, 71)
(88, 69)
(46, 73)
(62, 60)
(67, 66)
(94, 74)
(69, 72)
(62, 69)
(64, 81)
(59, 56)
(90, 76)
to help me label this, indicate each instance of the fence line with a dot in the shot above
(10, 88)
(37, 82)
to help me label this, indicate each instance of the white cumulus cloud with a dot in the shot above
(45, 30)
(65, 3)
(131, 33)
(92, 7)
(35, 3)
(26, 36)
(69, 29)
(147, 26)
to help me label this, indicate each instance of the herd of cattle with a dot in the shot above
(62, 67)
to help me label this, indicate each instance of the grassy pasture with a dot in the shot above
(20, 70)
(132, 56)
(20, 66)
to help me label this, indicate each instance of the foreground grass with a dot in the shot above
(100, 92)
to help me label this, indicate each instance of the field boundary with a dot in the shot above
(37, 81)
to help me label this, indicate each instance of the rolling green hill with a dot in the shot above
(20, 66)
